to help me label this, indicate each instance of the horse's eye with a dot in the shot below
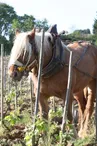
(49, 39)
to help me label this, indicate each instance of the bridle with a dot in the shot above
(29, 65)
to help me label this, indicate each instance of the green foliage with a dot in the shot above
(95, 26)
(81, 34)
(24, 23)
(9, 21)
(26, 118)
(47, 133)
(27, 22)
(80, 31)
(9, 97)
(87, 140)
(2, 130)
(12, 118)
(42, 24)
(7, 14)
(16, 118)
(78, 35)
(58, 113)
(95, 31)
(16, 24)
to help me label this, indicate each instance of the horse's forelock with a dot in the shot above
(21, 43)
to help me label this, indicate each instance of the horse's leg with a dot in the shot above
(81, 104)
(86, 92)
(89, 105)
(43, 106)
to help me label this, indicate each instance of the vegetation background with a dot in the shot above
(9, 21)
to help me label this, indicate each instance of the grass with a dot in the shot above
(2, 131)
(87, 140)
(26, 118)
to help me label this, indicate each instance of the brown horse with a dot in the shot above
(25, 58)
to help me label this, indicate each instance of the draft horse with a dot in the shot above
(25, 58)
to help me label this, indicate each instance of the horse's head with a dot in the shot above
(22, 54)
(25, 50)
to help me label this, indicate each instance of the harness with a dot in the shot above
(75, 65)
(57, 61)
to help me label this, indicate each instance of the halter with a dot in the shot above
(20, 66)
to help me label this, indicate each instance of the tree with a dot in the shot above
(42, 24)
(95, 27)
(7, 14)
(9, 21)
(82, 32)
(24, 23)
(95, 31)
(27, 22)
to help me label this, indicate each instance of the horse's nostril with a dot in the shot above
(15, 74)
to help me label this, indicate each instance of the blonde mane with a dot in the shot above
(22, 45)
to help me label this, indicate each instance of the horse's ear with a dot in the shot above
(17, 31)
(53, 29)
(32, 33)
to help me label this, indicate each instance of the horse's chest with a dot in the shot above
(52, 88)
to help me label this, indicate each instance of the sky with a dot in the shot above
(69, 15)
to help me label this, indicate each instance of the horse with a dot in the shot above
(24, 57)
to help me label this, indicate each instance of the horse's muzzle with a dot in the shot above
(15, 75)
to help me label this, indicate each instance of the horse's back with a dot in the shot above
(84, 56)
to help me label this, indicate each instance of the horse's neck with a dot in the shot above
(47, 52)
